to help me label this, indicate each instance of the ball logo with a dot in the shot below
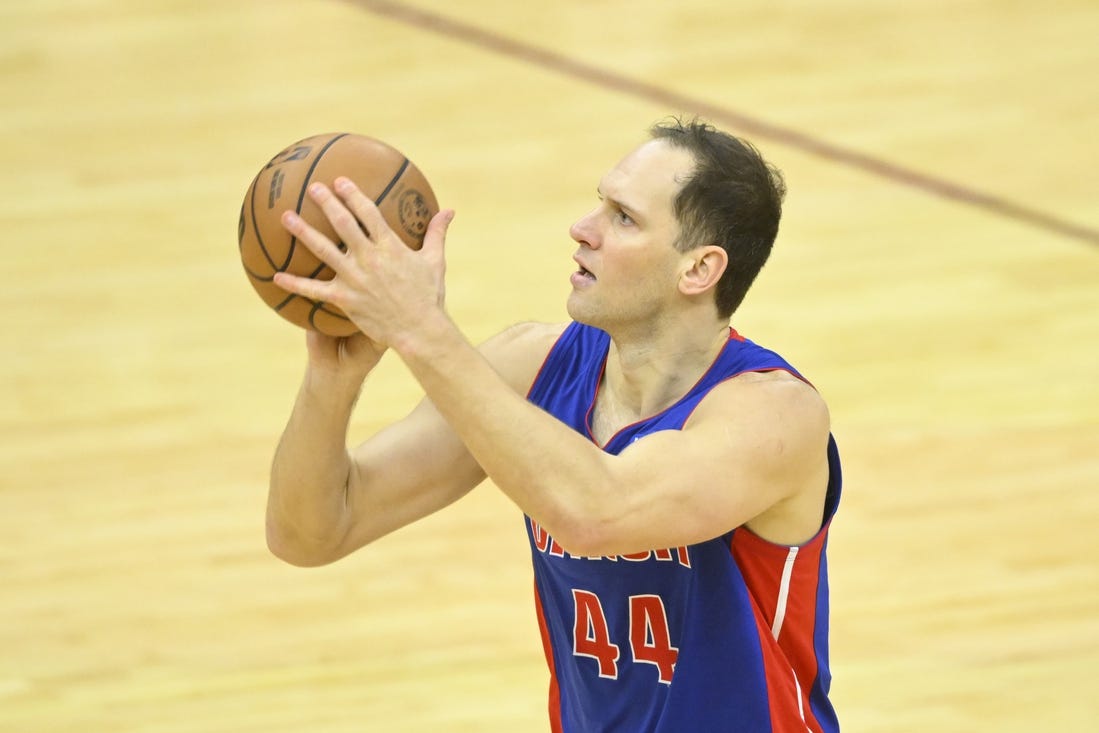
(414, 213)
(275, 189)
(292, 153)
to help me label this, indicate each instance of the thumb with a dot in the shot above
(437, 228)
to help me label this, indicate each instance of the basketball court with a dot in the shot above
(936, 276)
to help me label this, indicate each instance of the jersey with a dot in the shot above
(724, 636)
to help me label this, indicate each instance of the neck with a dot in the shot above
(649, 373)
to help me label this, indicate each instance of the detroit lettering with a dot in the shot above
(545, 544)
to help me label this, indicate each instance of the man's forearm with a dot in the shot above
(307, 501)
(546, 468)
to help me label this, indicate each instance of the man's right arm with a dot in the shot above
(325, 502)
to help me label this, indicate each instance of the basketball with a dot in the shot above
(383, 173)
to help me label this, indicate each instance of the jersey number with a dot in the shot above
(650, 641)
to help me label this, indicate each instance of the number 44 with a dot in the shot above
(650, 641)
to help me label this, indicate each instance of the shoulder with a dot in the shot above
(784, 416)
(523, 340)
(776, 392)
(519, 351)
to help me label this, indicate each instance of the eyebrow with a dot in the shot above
(631, 210)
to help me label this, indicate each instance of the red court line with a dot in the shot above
(752, 127)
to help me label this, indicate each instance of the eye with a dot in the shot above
(619, 214)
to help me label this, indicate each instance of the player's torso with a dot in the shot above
(663, 640)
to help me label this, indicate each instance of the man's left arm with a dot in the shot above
(755, 445)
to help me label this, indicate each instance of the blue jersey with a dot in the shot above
(725, 636)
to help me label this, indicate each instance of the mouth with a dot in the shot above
(583, 271)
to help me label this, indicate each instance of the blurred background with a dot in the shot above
(936, 276)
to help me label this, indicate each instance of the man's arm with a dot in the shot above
(326, 501)
(753, 452)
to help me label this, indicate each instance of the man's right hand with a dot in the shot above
(342, 358)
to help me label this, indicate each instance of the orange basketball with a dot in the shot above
(383, 173)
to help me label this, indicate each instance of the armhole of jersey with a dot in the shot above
(831, 504)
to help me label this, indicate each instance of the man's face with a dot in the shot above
(628, 263)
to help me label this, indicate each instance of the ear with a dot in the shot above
(703, 267)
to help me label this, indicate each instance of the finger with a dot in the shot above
(345, 223)
(321, 246)
(435, 237)
(317, 290)
(363, 207)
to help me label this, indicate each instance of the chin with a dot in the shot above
(577, 311)
(584, 313)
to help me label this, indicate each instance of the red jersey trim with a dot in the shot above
(547, 647)
(783, 582)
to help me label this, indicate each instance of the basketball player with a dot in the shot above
(678, 480)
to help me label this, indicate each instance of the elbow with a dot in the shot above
(585, 536)
(592, 516)
(292, 550)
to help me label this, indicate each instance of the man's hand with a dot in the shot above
(382, 285)
(350, 357)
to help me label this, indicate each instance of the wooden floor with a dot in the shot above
(937, 276)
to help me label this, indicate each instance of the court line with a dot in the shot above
(752, 127)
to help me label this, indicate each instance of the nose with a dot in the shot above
(583, 230)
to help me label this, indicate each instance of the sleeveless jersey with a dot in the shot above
(725, 636)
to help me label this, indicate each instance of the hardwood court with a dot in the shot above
(937, 277)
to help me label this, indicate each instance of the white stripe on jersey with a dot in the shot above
(783, 593)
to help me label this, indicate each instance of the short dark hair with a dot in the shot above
(732, 199)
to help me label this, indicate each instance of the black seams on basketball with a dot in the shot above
(397, 186)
